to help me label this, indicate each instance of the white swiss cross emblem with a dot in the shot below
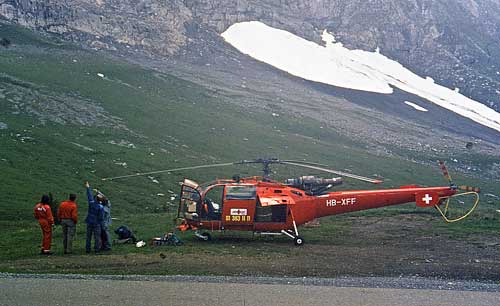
(427, 199)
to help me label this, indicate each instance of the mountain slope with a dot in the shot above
(69, 115)
(457, 45)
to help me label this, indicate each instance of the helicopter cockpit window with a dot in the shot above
(245, 192)
(190, 194)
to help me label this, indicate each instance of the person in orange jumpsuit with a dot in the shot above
(68, 215)
(43, 214)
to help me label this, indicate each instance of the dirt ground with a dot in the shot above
(401, 245)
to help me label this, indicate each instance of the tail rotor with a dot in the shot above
(466, 191)
(447, 176)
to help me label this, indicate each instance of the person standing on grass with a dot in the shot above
(43, 214)
(94, 221)
(106, 222)
(67, 213)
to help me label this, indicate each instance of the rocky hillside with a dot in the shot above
(458, 45)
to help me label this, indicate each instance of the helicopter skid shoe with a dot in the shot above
(203, 236)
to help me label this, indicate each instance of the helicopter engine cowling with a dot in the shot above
(313, 185)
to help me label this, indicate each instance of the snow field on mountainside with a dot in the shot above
(336, 65)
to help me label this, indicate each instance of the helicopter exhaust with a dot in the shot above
(313, 185)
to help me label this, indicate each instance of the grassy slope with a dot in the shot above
(175, 123)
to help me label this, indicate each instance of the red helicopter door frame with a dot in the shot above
(240, 201)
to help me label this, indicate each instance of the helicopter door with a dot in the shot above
(273, 207)
(274, 213)
(212, 203)
(189, 202)
(239, 205)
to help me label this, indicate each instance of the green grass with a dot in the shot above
(172, 123)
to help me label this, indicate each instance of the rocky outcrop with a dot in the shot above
(457, 44)
(155, 26)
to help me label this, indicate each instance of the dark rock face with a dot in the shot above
(457, 43)
(151, 25)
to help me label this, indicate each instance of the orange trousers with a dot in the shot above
(47, 234)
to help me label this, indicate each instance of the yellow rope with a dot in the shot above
(446, 206)
(453, 196)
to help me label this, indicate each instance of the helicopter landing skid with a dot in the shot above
(298, 240)
(295, 236)
(205, 236)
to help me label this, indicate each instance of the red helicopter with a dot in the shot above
(268, 207)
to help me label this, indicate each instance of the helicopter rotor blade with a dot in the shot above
(167, 170)
(266, 162)
(469, 188)
(315, 166)
(446, 174)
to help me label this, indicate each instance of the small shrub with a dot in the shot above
(5, 42)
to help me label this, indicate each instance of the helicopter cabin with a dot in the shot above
(240, 205)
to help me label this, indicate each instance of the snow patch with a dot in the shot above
(122, 143)
(356, 69)
(83, 147)
(123, 164)
(416, 106)
(153, 179)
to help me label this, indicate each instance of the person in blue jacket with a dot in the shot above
(106, 222)
(94, 220)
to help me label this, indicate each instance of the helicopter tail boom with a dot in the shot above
(348, 201)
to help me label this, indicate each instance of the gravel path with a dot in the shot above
(359, 282)
(53, 289)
